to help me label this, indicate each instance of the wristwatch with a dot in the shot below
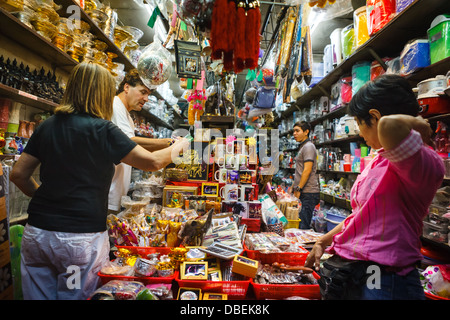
(297, 188)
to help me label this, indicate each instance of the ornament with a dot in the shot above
(154, 65)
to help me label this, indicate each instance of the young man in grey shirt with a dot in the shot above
(306, 181)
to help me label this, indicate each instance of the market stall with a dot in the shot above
(221, 222)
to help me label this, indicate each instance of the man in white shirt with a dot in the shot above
(131, 95)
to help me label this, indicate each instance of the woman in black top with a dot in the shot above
(65, 241)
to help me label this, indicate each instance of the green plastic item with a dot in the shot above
(348, 41)
(15, 239)
(439, 38)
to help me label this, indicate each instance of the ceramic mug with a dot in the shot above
(231, 162)
(247, 193)
(229, 192)
(232, 176)
(221, 175)
(242, 160)
(247, 177)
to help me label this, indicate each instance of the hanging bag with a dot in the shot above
(265, 98)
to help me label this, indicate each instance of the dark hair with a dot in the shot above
(304, 125)
(389, 94)
(132, 78)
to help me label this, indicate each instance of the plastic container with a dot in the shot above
(282, 291)
(402, 5)
(415, 56)
(360, 75)
(105, 278)
(234, 289)
(360, 22)
(144, 251)
(348, 41)
(333, 220)
(439, 38)
(346, 89)
(327, 59)
(292, 224)
(291, 258)
(379, 13)
(336, 46)
(376, 69)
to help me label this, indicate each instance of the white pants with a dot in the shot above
(61, 265)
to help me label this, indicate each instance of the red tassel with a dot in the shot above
(239, 45)
(252, 26)
(219, 21)
(231, 30)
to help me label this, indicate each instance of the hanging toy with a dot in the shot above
(196, 99)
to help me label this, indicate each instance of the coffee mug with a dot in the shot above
(229, 192)
(230, 148)
(247, 193)
(231, 162)
(247, 176)
(242, 159)
(219, 152)
(221, 175)
(232, 176)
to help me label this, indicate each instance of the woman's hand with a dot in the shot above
(422, 126)
(313, 258)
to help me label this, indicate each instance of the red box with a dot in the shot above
(283, 291)
(105, 278)
(145, 251)
(289, 258)
(253, 225)
(234, 289)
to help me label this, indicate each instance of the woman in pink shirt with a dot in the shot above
(376, 249)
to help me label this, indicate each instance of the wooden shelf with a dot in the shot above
(339, 112)
(412, 23)
(26, 98)
(337, 172)
(17, 31)
(154, 119)
(338, 141)
(96, 31)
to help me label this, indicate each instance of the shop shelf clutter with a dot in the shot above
(221, 221)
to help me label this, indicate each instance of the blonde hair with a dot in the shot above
(91, 90)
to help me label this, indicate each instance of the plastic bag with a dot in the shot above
(154, 65)
(271, 214)
(379, 13)
(436, 280)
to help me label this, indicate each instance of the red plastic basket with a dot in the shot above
(290, 258)
(144, 251)
(105, 278)
(234, 289)
(431, 296)
(283, 291)
(253, 225)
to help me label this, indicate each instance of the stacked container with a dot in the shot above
(439, 38)
(379, 13)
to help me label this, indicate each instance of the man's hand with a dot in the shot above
(297, 194)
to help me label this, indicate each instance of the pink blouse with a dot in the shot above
(390, 198)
